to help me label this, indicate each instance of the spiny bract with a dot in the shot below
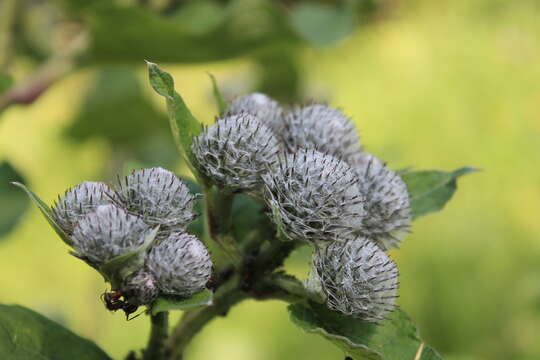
(235, 151)
(140, 288)
(322, 128)
(108, 232)
(159, 197)
(78, 201)
(314, 196)
(387, 202)
(263, 107)
(180, 264)
(358, 278)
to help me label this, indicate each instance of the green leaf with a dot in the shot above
(430, 190)
(161, 81)
(46, 211)
(394, 339)
(322, 24)
(220, 100)
(166, 303)
(14, 202)
(184, 125)
(120, 32)
(117, 269)
(27, 335)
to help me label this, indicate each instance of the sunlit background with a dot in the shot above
(429, 84)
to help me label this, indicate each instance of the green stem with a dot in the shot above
(219, 221)
(193, 321)
(274, 287)
(155, 349)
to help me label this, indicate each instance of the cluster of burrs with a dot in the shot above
(307, 163)
(146, 214)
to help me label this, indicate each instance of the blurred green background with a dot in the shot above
(429, 84)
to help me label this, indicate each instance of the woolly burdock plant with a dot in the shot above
(387, 202)
(263, 107)
(358, 278)
(317, 187)
(78, 201)
(159, 197)
(323, 128)
(314, 196)
(108, 232)
(180, 264)
(235, 151)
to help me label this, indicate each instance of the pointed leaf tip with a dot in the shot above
(218, 96)
(430, 190)
(161, 81)
(46, 211)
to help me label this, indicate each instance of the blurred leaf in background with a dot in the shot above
(14, 202)
(116, 109)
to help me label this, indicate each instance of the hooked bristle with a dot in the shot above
(315, 195)
(108, 232)
(264, 108)
(159, 197)
(387, 204)
(358, 278)
(323, 128)
(180, 264)
(235, 151)
(78, 201)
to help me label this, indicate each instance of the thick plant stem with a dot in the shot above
(193, 321)
(275, 287)
(155, 349)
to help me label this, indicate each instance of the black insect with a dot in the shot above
(114, 302)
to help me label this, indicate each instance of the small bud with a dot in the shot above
(159, 197)
(315, 194)
(387, 202)
(180, 264)
(264, 108)
(79, 201)
(322, 128)
(140, 288)
(108, 232)
(235, 151)
(358, 278)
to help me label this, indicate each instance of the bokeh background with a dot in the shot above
(429, 84)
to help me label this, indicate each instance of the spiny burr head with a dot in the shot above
(358, 278)
(323, 128)
(315, 196)
(180, 264)
(108, 232)
(235, 151)
(263, 107)
(140, 288)
(78, 201)
(159, 197)
(387, 202)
